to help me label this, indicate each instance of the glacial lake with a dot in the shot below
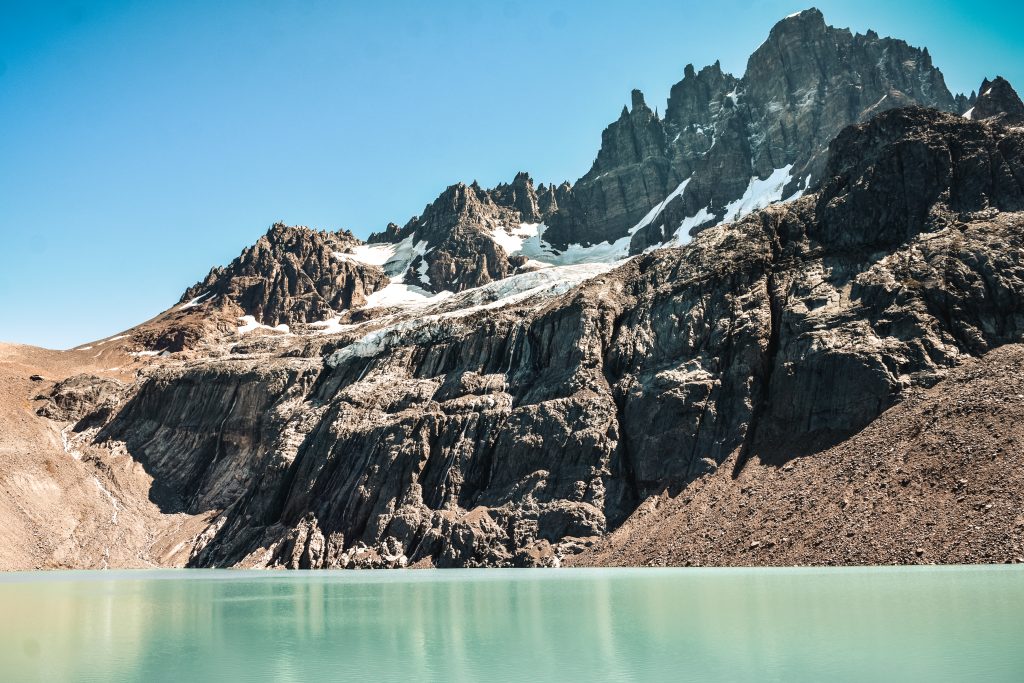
(858, 624)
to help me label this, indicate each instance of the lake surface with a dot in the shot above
(878, 624)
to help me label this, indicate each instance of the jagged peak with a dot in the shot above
(280, 231)
(804, 19)
(637, 100)
(997, 99)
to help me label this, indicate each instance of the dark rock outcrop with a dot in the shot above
(455, 230)
(938, 478)
(999, 101)
(803, 85)
(291, 275)
(82, 396)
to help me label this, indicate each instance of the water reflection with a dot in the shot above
(789, 625)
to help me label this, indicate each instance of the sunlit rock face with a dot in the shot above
(514, 422)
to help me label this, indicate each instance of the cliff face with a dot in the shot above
(723, 135)
(518, 422)
(725, 147)
(496, 383)
(937, 478)
(291, 275)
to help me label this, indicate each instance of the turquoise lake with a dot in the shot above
(858, 624)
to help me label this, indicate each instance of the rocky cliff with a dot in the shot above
(291, 275)
(739, 143)
(516, 423)
(497, 383)
(726, 146)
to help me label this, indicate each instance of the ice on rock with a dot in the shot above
(195, 302)
(759, 194)
(528, 240)
(249, 324)
(682, 235)
(393, 258)
(433, 320)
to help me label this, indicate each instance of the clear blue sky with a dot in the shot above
(143, 142)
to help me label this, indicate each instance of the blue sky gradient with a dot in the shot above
(142, 143)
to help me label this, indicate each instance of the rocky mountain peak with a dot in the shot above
(805, 22)
(728, 145)
(997, 100)
(290, 275)
(521, 196)
(690, 101)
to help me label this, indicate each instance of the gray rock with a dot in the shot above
(291, 275)
(82, 396)
(999, 101)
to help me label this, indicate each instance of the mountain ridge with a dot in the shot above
(724, 147)
(461, 391)
(521, 433)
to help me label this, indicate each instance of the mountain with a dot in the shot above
(998, 100)
(725, 147)
(467, 390)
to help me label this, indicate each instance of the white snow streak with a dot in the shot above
(759, 194)
(249, 324)
(195, 302)
(682, 235)
(394, 258)
(401, 294)
(432, 322)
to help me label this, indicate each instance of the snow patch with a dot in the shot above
(401, 294)
(421, 270)
(393, 258)
(682, 235)
(249, 324)
(969, 114)
(195, 302)
(330, 326)
(511, 239)
(759, 194)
